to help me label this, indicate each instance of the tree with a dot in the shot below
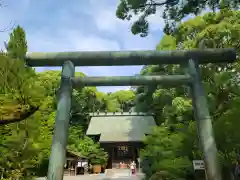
(25, 152)
(16, 87)
(164, 156)
(84, 145)
(29, 100)
(173, 11)
(125, 99)
(172, 106)
(17, 45)
(172, 145)
(21, 144)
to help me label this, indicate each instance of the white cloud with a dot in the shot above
(105, 17)
(156, 21)
(90, 42)
(75, 41)
(106, 20)
(66, 29)
(69, 40)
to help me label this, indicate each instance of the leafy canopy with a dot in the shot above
(173, 106)
(17, 44)
(173, 11)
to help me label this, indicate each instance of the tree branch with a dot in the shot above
(22, 116)
(2, 4)
(11, 25)
(8, 28)
(159, 4)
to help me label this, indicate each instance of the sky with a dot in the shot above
(82, 25)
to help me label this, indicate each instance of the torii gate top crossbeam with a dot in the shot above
(124, 58)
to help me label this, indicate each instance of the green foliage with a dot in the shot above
(25, 154)
(172, 145)
(17, 45)
(124, 98)
(22, 88)
(172, 11)
(26, 143)
(165, 154)
(78, 142)
(173, 107)
(16, 89)
(98, 156)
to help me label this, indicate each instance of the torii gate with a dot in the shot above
(191, 58)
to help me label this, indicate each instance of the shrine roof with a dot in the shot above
(123, 127)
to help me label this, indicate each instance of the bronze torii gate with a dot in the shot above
(192, 58)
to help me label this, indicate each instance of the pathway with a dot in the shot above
(110, 175)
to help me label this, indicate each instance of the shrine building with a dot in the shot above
(120, 134)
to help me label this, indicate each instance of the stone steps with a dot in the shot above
(118, 172)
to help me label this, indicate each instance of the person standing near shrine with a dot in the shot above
(133, 167)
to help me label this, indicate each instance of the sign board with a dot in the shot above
(82, 164)
(79, 164)
(198, 165)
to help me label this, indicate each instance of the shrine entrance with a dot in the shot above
(121, 135)
(189, 59)
(123, 153)
(122, 156)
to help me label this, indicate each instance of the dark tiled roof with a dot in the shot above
(120, 128)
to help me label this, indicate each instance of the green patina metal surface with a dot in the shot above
(59, 142)
(122, 58)
(116, 128)
(204, 124)
(173, 80)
